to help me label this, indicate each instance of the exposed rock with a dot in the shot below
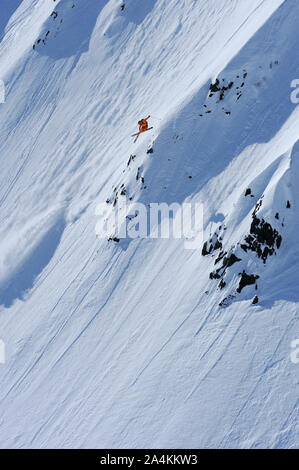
(114, 239)
(227, 301)
(220, 257)
(258, 206)
(218, 245)
(262, 233)
(232, 259)
(214, 244)
(246, 280)
(227, 261)
(131, 159)
(214, 276)
(215, 86)
(205, 250)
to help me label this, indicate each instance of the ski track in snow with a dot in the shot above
(124, 344)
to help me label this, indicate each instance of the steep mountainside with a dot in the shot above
(140, 342)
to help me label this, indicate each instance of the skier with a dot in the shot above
(143, 127)
(143, 124)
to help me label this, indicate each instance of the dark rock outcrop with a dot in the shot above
(246, 280)
(263, 239)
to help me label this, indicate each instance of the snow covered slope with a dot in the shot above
(143, 343)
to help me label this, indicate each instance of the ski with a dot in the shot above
(138, 133)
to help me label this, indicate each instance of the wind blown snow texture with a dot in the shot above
(143, 343)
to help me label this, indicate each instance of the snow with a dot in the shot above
(124, 345)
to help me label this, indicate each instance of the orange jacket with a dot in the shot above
(143, 124)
